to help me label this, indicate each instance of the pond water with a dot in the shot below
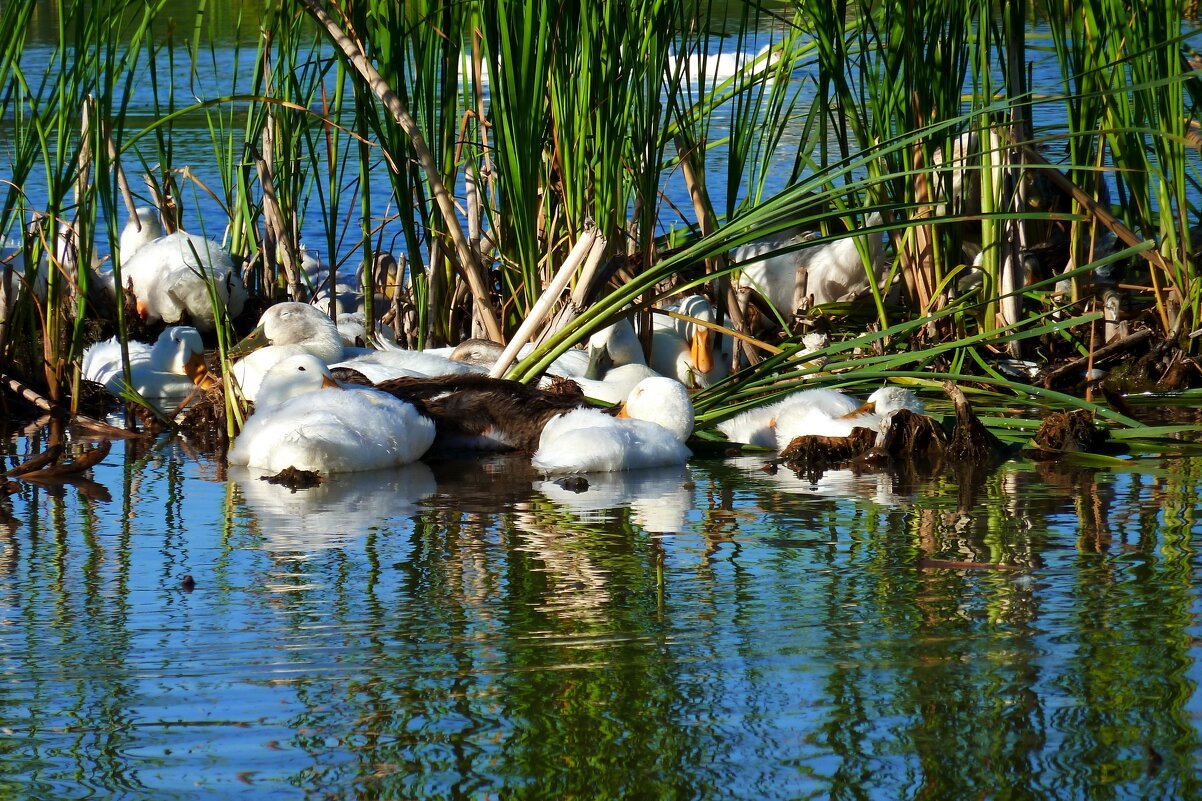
(463, 629)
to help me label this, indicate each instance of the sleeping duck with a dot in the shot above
(163, 374)
(172, 275)
(307, 421)
(288, 329)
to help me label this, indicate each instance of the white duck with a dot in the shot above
(679, 349)
(827, 416)
(164, 373)
(650, 431)
(757, 426)
(171, 275)
(305, 420)
(484, 353)
(287, 329)
(834, 271)
(685, 350)
(613, 346)
(617, 384)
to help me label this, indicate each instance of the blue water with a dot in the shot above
(465, 629)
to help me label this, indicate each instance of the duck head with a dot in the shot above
(887, 400)
(293, 323)
(294, 376)
(180, 350)
(613, 346)
(661, 400)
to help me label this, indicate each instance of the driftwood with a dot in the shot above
(816, 450)
(911, 436)
(46, 465)
(1068, 432)
(971, 441)
(80, 420)
(1123, 345)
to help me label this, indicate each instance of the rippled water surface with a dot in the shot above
(464, 629)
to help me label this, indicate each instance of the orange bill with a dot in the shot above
(699, 351)
(196, 370)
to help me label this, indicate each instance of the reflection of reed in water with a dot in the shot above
(563, 534)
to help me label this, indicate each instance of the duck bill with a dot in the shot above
(329, 383)
(196, 370)
(867, 408)
(699, 351)
(623, 412)
(143, 309)
(250, 343)
(598, 363)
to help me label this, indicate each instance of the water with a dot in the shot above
(463, 629)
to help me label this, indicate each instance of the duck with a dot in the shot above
(17, 281)
(348, 296)
(612, 387)
(306, 420)
(163, 374)
(649, 430)
(484, 353)
(171, 275)
(287, 329)
(757, 426)
(476, 412)
(613, 346)
(352, 328)
(617, 383)
(683, 349)
(834, 271)
(143, 227)
(825, 415)
(680, 349)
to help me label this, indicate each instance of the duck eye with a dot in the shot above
(301, 368)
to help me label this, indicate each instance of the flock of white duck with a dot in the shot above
(307, 420)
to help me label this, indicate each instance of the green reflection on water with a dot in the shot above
(454, 632)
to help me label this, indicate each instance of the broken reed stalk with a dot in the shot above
(590, 245)
(463, 258)
(274, 221)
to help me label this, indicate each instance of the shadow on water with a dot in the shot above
(461, 628)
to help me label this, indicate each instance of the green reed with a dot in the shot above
(544, 121)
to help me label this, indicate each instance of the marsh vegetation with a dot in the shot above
(1020, 240)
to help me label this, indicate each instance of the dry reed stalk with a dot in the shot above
(591, 246)
(464, 259)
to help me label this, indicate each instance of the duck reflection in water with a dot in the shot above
(659, 499)
(332, 514)
(573, 527)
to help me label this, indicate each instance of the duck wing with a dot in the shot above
(507, 414)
